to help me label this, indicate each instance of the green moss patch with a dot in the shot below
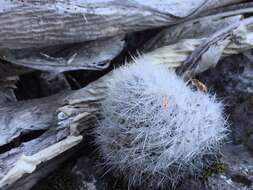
(215, 168)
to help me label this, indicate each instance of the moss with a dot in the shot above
(215, 168)
(62, 179)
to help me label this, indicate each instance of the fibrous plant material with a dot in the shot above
(154, 129)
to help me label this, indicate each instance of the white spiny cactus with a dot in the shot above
(154, 128)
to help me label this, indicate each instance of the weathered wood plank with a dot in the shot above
(61, 118)
(33, 23)
(193, 29)
(238, 36)
(93, 55)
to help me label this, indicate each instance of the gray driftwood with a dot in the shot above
(32, 23)
(205, 40)
(201, 59)
(59, 120)
(193, 29)
(93, 55)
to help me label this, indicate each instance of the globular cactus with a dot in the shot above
(154, 128)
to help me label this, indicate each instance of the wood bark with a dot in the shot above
(59, 122)
(202, 28)
(93, 55)
(32, 23)
(200, 43)
(208, 53)
(175, 55)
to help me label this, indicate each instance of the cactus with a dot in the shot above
(155, 129)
